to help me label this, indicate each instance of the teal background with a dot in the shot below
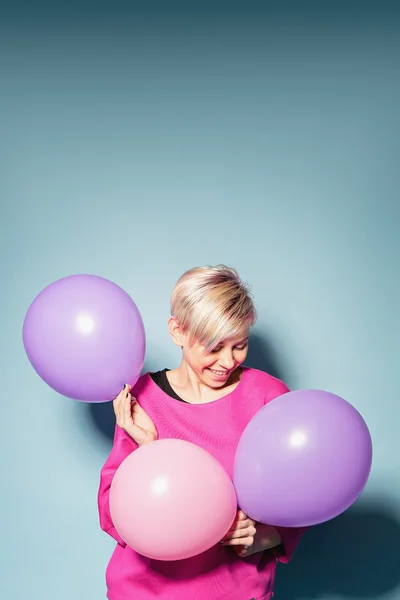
(138, 140)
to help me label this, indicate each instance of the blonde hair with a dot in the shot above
(212, 304)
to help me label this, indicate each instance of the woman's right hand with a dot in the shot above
(133, 419)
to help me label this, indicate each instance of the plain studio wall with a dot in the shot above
(138, 140)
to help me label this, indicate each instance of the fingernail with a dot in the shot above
(124, 386)
(126, 395)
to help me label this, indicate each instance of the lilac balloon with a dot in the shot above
(304, 458)
(85, 337)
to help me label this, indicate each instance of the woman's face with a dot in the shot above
(214, 368)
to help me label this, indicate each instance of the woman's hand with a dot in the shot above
(247, 537)
(133, 419)
(241, 534)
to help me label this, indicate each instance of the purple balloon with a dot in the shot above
(85, 338)
(303, 459)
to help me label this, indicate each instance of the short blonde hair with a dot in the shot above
(212, 304)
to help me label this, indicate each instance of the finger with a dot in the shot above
(241, 516)
(117, 399)
(242, 525)
(250, 530)
(116, 406)
(237, 533)
(138, 410)
(125, 389)
(117, 403)
(241, 533)
(126, 407)
(245, 524)
(246, 542)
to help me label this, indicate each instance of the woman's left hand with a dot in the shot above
(241, 534)
(247, 537)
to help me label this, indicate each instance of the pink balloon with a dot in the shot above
(171, 500)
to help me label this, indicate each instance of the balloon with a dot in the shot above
(85, 338)
(171, 500)
(303, 459)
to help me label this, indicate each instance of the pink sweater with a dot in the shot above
(218, 574)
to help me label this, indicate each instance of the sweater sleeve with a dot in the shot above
(290, 537)
(123, 446)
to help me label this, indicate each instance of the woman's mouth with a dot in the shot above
(219, 374)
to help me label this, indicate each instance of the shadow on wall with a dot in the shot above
(261, 356)
(354, 556)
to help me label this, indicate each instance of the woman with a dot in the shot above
(208, 400)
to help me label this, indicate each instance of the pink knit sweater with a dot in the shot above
(218, 574)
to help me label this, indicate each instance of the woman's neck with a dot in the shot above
(189, 386)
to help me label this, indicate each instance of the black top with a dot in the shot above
(161, 379)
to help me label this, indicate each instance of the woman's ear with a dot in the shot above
(176, 332)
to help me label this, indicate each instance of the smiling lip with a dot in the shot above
(219, 374)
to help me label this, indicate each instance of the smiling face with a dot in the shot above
(215, 368)
(212, 314)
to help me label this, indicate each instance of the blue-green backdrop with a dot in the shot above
(140, 139)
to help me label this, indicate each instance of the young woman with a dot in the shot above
(208, 400)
